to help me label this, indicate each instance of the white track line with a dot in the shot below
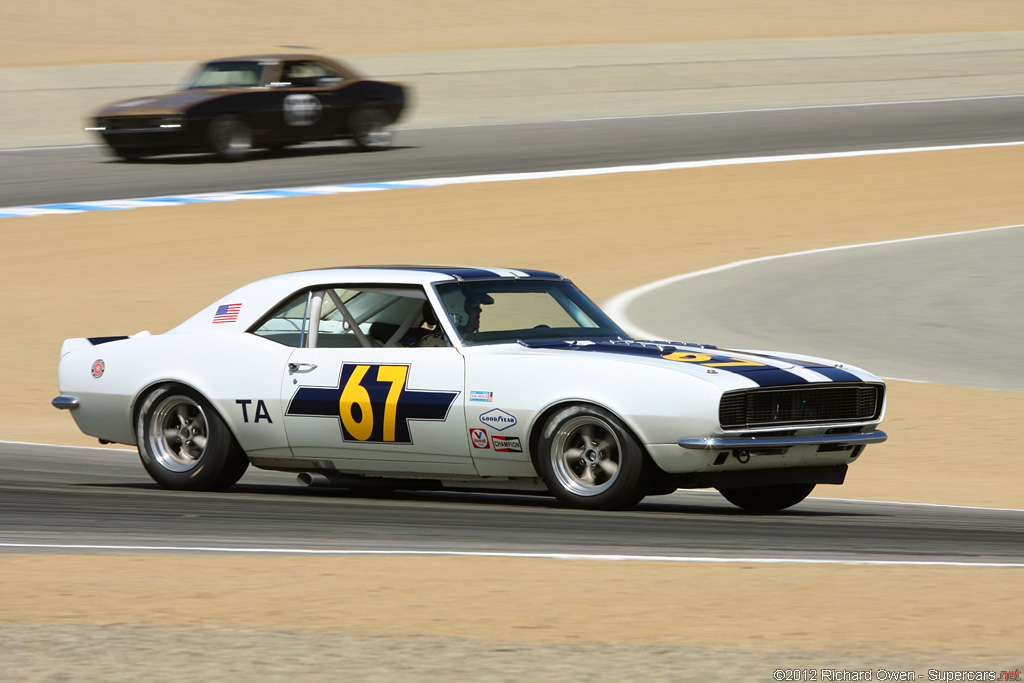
(544, 556)
(276, 193)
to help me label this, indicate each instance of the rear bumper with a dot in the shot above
(65, 402)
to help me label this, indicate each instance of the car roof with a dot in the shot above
(255, 298)
(461, 273)
(276, 57)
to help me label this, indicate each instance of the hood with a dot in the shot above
(764, 369)
(171, 103)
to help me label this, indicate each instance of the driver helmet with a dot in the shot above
(455, 300)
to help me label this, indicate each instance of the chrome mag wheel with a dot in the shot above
(178, 433)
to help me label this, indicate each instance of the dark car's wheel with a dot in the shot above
(588, 459)
(128, 155)
(767, 498)
(185, 445)
(369, 127)
(229, 137)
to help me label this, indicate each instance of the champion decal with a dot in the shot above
(373, 403)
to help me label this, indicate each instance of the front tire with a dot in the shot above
(767, 498)
(588, 459)
(185, 445)
(369, 127)
(229, 137)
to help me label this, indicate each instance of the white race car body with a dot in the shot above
(480, 408)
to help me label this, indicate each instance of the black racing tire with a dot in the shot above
(184, 444)
(767, 498)
(368, 125)
(229, 137)
(128, 155)
(588, 459)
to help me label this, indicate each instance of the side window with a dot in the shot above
(371, 317)
(354, 317)
(287, 324)
(306, 74)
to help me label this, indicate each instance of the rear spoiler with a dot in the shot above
(77, 343)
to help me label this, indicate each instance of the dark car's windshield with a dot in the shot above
(226, 75)
(496, 311)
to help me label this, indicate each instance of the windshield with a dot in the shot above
(226, 75)
(496, 311)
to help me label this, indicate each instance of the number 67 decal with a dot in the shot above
(719, 361)
(373, 403)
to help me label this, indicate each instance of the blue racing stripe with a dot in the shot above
(767, 377)
(831, 371)
(760, 374)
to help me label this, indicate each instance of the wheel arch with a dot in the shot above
(537, 427)
(149, 389)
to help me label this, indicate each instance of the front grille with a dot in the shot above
(801, 405)
(131, 122)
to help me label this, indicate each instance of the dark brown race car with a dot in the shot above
(229, 106)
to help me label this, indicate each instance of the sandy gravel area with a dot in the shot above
(498, 619)
(56, 32)
(189, 617)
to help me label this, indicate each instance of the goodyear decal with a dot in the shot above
(763, 374)
(498, 419)
(373, 403)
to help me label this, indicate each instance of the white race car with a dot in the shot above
(473, 378)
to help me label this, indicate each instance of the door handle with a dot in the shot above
(296, 367)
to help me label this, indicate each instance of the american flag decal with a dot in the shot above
(227, 313)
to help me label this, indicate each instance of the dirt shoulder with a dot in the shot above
(102, 32)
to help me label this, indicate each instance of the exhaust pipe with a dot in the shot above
(318, 480)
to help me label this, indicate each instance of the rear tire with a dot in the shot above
(185, 445)
(588, 459)
(229, 137)
(767, 498)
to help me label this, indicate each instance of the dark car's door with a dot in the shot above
(309, 105)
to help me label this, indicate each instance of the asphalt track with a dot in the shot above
(53, 497)
(75, 174)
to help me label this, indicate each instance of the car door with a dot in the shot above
(355, 395)
(308, 108)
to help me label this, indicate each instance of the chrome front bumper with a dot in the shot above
(710, 444)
